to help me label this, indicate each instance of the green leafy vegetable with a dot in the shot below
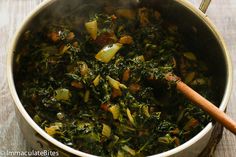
(93, 89)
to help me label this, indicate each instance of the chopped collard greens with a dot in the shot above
(102, 89)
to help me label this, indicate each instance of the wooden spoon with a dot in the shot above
(203, 103)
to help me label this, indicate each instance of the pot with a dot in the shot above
(199, 34)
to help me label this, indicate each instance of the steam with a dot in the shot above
(75, 12)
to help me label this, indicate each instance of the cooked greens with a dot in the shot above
(102, 89)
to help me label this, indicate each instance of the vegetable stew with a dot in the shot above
(102, 89)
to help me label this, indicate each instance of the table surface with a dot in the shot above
(12, 12)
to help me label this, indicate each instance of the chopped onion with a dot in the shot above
(120, 154)
(96, 80)
(84, 70)
(115, 110)
(131, 119)
(92, 28)
(129, 150)
(166, 139)
(139, 58)
(145, 110)
(122, 86)
(115, 84)
(60, 115)
(62, 94)
(190, 56)
(108, 52)
(86, 96)
(106, 130)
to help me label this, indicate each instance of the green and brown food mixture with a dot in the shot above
(101, 90)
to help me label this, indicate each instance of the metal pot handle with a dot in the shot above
(204, 5)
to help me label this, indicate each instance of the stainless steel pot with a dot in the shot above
(199, 32)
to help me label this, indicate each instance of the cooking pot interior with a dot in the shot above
(198, 37)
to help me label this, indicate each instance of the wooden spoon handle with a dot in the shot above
(203, 103)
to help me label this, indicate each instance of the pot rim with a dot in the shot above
(39, 130)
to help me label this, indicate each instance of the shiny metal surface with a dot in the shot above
(204, 5)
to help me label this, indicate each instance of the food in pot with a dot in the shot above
(102, 89)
